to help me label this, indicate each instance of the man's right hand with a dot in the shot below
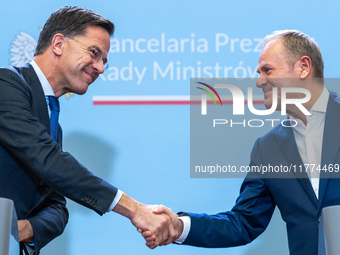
(177, 224)
(148, 218)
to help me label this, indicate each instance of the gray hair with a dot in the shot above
(299, 44)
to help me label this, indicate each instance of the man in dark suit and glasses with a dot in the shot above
(35, 172)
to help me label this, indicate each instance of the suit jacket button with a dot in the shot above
(41, 183)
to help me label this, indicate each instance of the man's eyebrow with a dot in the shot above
(263, 67)
(95, 47)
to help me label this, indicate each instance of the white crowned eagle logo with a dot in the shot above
(22, 50)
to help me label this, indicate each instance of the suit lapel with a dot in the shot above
(287, 143)
(331, 141)
(31, 78)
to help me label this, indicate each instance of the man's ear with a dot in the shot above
(305, 67)
(58, 44)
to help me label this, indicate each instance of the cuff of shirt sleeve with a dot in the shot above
(186, 228)
(115, 200)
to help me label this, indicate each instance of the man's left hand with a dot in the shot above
(25, 231)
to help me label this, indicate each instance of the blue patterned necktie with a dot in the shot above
(54, 107)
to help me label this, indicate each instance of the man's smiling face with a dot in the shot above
(79, 67)
(273, 66)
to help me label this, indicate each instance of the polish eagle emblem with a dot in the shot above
(22, 49)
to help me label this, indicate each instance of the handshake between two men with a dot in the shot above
(167, 228)
(159, 225)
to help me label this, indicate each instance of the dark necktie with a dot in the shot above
(54, 107)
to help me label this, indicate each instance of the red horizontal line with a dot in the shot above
(229, 102)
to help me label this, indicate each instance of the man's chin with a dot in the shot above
(268, 104)
(81, 91)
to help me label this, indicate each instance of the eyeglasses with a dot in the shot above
(95, 53)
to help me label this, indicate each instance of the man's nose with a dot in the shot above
(99, 67)
(261, 82)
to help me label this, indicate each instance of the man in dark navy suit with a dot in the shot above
(288, 59)
(35, 172)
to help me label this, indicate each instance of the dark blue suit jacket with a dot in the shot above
(34, 169)
(292, 193)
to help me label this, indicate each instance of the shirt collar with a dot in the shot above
(321, 104)
(48, 91)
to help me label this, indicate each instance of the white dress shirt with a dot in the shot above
(309, 139)
(48, 91)
(309, 142)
